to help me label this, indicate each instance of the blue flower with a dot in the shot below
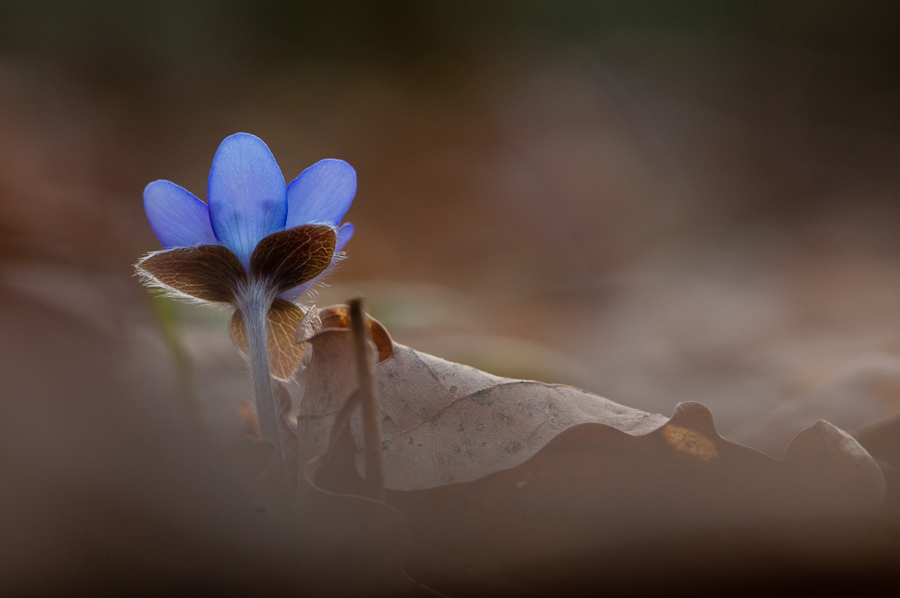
(256, 237)
(248, 201)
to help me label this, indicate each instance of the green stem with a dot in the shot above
(169, 321)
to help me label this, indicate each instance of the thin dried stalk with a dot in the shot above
(366, 393)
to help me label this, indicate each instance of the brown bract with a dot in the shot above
(284, 354)
(284, 260)
(292, 257)
(280, 262)
(207, 272)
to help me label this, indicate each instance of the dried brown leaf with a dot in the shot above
(496, 474)
(309, 326)
(445, 423)
(680, 493)
(337, 317)
(826, 456)
(882, 441)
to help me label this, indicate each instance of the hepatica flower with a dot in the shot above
(257, 245)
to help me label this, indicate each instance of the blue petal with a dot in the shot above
(344, 234)
(322, 194)
(246, 194)
(177, 216)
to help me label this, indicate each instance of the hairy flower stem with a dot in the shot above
(254, 304)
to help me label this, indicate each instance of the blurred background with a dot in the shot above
(654, 201)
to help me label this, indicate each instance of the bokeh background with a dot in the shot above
(654, 201)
